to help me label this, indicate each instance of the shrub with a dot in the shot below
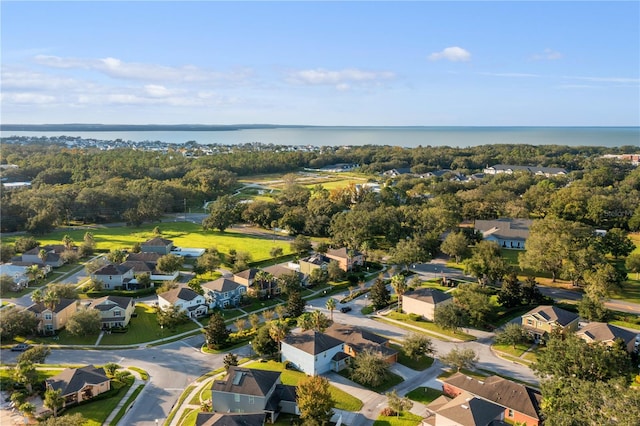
(387, 412)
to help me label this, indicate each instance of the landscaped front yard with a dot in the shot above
(96, 412)
(404, 419)
(430, 326)
(422, 363)
(424, 395)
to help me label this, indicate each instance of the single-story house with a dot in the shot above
(424, 301)
(114, 276)
(79, 384)
(607, 334)
(347, 259)
(157, 245)
(507, 233)
(230, 419)
(247, 390)
(357, 340)
(53, 319)
(541, 321)
(223, 292)
(115, 311)
(519, 403)
(186, 299)
(313, 352)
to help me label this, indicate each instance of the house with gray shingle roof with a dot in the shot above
(507, 233)
(230, 419)
(313, 352)
(186, 299)
(157, 245)
(79, 384)
(52, 319)
(541, 321)
(464, 410)
(536, 170)
(247, 390)
(115, 311)
(607, 334)
(357, 340)
(424, 301)
(114, 276)
(223, 292)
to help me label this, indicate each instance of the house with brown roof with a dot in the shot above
(464, 410)
(185, 299)
(519, 403)
(79, 384)
(357, 340)
(424, 301)
(222, 293)
(157, 245)
(115, 311)
(313, 352)
(507, 233)
(543, 320)
(607, 334)
(347, 259)
(246, 277)
(52, 319)
(114, 277)
(247, 390)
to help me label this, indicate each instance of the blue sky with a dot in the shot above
(425, 63)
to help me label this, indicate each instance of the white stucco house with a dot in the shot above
(314, 353)
(186, 299)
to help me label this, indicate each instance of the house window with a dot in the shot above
(48, 316)
(48, 327)
(510, 414)
(236, 397)
(252, 400)
(529, 322)
(116, 314)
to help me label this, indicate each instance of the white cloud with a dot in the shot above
(453, 54)
(27, 98)
(341, 79)
(547, 54)
(606, 79)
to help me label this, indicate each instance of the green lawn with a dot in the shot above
(509, 349)
(96, 412)
(65, 338)
(405, 419)
(424, 395)
(144, 328)
(391, 381)
(430, 326)
(188, 418)
(183, 234)
(343, 401)
(422, 363)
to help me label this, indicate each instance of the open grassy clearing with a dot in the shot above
(404, 419)
(424, 395)
(343, 401)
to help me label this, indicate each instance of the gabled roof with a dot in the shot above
(278, 271)
(38, 308)
(157, 242)
(108, 302)
(248, 274)
(112, 269)
(312, 342)
(342, 253)
(360, 339)
(504, 228)
(144, 257)
(530, 169)
(230, 419)
(603, 332)
(247, 381)
(467, 410)
(316, 259)
(221, 285)
(501, 391)
(429, 295)
(553, 314)
(180, 293)
(71, 380)
(139, 266)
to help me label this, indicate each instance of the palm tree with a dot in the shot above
(399, 284)
(67, 241)
(37, 296)
(261, 280)
(280, 311)
(278, 330)
(53, 400)
(50, 299)
(331, 305)
(33, 272)
(42, 255)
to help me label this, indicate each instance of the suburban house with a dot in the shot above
(315, 261)
(52, 257)
(229, 419)
(313, 352)
(53, 319)
(424, 301)
(393, 173)
(541, 321)
(222, 293)
(115, 311)
(148, 257)
(157, 245)
(141, 267)
(186, 299)
(607, 334)
(507, 233)
(510, 169)
(79, 384)
(114, 276)
(246, 390)
(519, 403)
(464, 410)
(347, 259)
(17, 273)
(246, 277)
(357, 340)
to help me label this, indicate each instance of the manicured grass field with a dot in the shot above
(424, 395)
(343, 401)
(509, 349)
(183, 234)
(404, 419)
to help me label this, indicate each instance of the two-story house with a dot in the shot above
(608, 334)
(313, 352)
(424, 301)
(247, 390)
(222, 293)
(51, 256)
(114, 276)
(357, 340)
(115, 311)
(157, 245)
(185, 299)
(347, 259)
(52, 319)
(543, 320)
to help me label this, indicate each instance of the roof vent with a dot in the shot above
(465, 406)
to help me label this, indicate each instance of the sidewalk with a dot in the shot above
(137, 382)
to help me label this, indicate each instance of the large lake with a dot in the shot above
(397, 136)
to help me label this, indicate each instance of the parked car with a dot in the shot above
(20, 347)
(345, 309)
